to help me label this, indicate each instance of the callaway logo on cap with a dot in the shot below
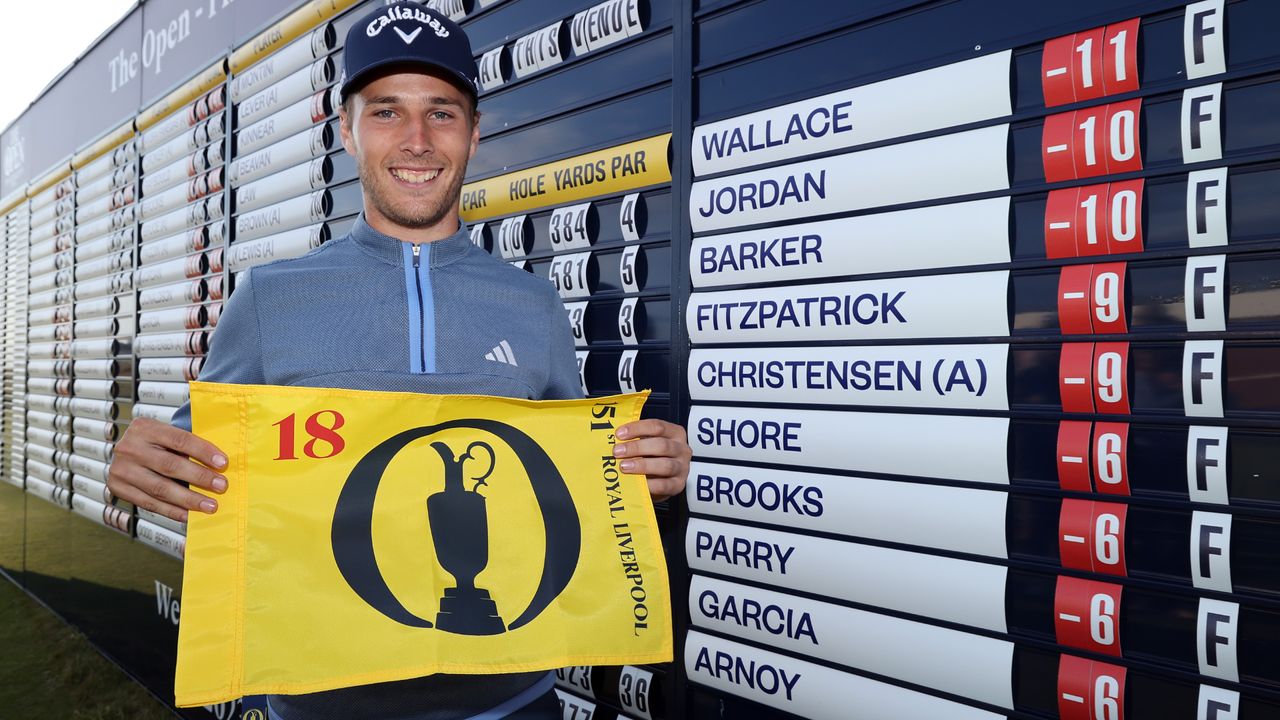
(394, 35)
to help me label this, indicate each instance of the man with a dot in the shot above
(405, 302)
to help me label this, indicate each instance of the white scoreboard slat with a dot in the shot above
(809, 690)
(931, 586)
(947, 447)
(958, 305)
(962, 520)
(971, 377)
(938, 236)
(961, 93)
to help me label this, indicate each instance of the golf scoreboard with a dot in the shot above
(971, 309)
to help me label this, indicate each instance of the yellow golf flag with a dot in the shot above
(372, 536)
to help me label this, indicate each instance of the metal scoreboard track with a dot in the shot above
(974, 342)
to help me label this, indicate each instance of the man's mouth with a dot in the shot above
(414, 177)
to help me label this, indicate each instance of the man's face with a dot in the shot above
(411, 135)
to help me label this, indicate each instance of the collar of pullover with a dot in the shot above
(389, 249)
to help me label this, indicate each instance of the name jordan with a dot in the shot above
(764, 194)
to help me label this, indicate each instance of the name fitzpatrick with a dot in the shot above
(603, 413)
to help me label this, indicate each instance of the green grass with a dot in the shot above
(49, 670)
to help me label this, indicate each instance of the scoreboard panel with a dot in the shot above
(13, 350)
(572, 182)
(180, 281)
(968, 308)
(971, 334)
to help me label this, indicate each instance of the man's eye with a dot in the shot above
(441, 115)
(384, 113)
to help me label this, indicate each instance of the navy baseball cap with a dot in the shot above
(407, 33)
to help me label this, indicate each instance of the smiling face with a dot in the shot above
(411, 134)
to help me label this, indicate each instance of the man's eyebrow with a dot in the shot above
(396, 100)
(441, 100)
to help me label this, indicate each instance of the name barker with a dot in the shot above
(818, 310)
(762, 254)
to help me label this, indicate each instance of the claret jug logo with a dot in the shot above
(459, 520)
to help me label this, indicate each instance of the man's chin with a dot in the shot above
(413, 221)
(408, 213)
(411, 213)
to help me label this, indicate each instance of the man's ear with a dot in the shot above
(345, 122)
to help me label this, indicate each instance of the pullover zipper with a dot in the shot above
(422, 315)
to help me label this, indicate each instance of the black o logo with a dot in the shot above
(465, 612)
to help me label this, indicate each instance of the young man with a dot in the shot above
(405, 302)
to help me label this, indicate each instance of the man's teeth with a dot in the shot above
(415, 176)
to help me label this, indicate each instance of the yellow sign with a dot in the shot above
(369, 536)
(617, 169)
(186, 93)
(290, 28)
(105, 143)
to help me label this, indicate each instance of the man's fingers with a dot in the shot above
(151, 463)
(169, 492)
(652, 467)
(178, 467)
(651, 428)
(183, 442)
(648, 447)
(657, 449)
(146, 502)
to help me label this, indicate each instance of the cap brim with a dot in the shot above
(379, 68)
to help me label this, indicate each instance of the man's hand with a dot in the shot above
(657, 449)
(150, 459)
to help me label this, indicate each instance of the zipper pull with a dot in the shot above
(416, 250)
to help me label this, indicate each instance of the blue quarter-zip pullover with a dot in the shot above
(370, 312)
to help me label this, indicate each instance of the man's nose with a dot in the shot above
(417, 136)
